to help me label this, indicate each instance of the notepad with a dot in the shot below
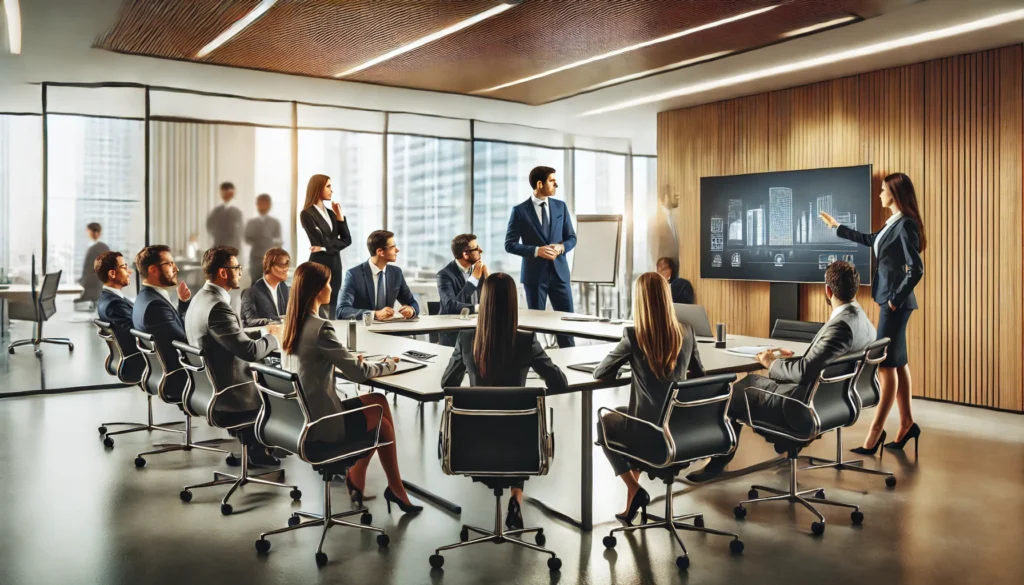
(589, 368)
(747, 350)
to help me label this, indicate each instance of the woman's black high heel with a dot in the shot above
(514, 516)
(389, 496)
(355, 493)
(640, 500)
(913, 433)
(871, 451)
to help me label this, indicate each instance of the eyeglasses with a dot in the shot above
(477, 249)
(238, 268)
(170, 262)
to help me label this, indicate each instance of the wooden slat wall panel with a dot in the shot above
(956, 127)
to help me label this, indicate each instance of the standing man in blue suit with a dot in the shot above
(154, 313)
(374, 286)
(540, 231)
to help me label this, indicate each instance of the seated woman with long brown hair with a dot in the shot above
(313, 351)
(497, 354)
(660, 352)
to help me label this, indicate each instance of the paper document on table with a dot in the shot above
(749, 351)
(398, 318)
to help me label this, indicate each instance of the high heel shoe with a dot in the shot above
(355, 493)
(871, 451)
(389, 497)
(514, 516)
(640, 500)
(913, 433)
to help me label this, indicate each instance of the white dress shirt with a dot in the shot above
(467, 273)
(323, 212)
(888, 224)
(540, 214)
(374, 271)
(116, 291)
(163, 291)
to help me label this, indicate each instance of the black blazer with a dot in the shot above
(455, 291)
(529, 353)
(258, 308)
(898, 266)
(357, 296)
(334, 237)
(118, 312)
(682, 291)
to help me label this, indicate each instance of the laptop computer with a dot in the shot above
(696, 317)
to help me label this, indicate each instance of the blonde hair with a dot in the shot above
(657, 331)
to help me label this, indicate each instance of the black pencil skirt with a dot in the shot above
(893, 324)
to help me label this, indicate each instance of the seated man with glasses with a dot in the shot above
(154, 312)
(458, 283)
(375, 286)
(267, 299)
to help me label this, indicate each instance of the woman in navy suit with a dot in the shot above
(328, 234)
(898, 269)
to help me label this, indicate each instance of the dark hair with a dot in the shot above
(461, 243)
(310, 279)
(94, 227)
(378, 240)
(540, 174)
(670, 262)
(263, 198)
(104, 263)
(842, 278)
(314, 188)
(227, 185)
(902, 190)
(149, 256)
(271, 258)
(216, 258)
(495, 342)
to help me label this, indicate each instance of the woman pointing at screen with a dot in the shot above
(898, 269)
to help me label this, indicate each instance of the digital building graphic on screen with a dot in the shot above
(765, 226)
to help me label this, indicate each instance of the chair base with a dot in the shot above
(498, 536)
(136, 427)
(841, 464)
(673, 524)
(798, 497)
(238, 481)
(186, 444)
(35, 343)
(327, 519)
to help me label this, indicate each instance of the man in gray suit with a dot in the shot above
(847, 330)
(261, 233)
(224, 224)
(211, 325)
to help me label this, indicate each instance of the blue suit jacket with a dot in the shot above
(455, 291)
(154, 315)
(357, 293)
(524, 236)
(118, 312)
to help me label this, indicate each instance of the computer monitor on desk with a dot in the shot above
(696, 317)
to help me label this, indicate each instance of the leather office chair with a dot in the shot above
(170, 385)
(830, 404)
(39, 310)
(499, 437)
(201, 400)
(690, 429)
(789, 330)
(868, 393)
(284, 423)
(130, 368)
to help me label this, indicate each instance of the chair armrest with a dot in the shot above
(604, 431)
(814, 415)
(376, 437)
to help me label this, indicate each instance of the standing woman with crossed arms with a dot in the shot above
(898, 269)
(328, 235)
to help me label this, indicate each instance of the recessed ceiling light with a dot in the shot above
(236, 28)
(13, 15)
(432, 37)
(819, 26)
(663, 39)
(633, 76)
(872, 49)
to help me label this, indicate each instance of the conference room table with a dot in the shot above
(424, 384)
(23, 293)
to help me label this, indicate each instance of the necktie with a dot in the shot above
(545, 222)
(380, 291)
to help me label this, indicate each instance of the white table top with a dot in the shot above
(16, 290)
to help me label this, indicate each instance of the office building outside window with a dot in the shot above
(21, 200)
(645, 202)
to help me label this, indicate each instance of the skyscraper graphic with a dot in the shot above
(755, 227)
(780, 216)
(736, 220)
(717, 234)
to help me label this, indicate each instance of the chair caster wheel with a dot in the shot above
(436, 561)
(186, 496)
(539, 539)
(820, 494)
(140, 462)
(293, 521)
(857, 517)
(103, 431)
(226, 509)
(108, 443)
(683, 562)
(296, 494)
(39, 353)
(736, 546)
(321, 559)
(366, 519)
(233, 461)
(10, 350)
(698, 522)
(609, 542)
(554, 564)
(890, 481)
(464, 535)
(752, 494)
(262, 546)
(383, 540)
(740, 512)
(71, 347)
(818, 528)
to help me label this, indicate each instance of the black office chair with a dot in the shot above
(830, 404)
(284, 423)
(130, 368)
(201, 400)
(690, 429)
(499, 437)
(170, 385)
(788, 330)
(868, 393)
(42, 306)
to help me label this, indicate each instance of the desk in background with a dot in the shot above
(23, 293)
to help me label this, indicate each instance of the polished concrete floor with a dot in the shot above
(74, 512)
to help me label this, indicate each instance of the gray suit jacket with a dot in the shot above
(314, 358)
(224, 224)
(212, 326)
